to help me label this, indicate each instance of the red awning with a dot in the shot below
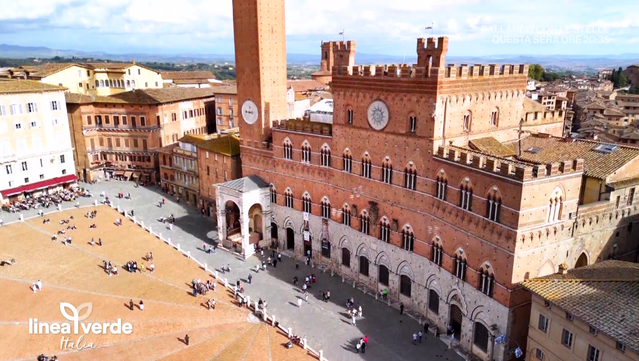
(40, 185)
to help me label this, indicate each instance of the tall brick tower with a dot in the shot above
(260, 63)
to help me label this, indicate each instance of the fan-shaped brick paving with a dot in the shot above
(74, 274)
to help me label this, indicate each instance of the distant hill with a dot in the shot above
(572, 62)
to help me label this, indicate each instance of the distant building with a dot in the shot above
(92, 78)
(588, 313)
(632, 73)
(36, 155)
(605, 74)
(321, 112)
(226, 107)
(189, 79)
(118, 135)
(334, 54)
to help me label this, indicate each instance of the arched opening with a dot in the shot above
(433, 301)
(290, 238)
(582, 261)
(274, 231)
(255, 223)
(455, 323)
(363, 266)
(383, 275)
(480, 336)
(346, 257)
(405, 285)
(232, 212)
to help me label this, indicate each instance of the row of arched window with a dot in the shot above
(412, 120)
(114, 83)
(486, 279)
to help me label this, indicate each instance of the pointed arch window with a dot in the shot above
(486, 280)
(326, 208)
(387, 171)
(306, 203)
(410, 177)
(325, 153)
(494, 118)
(288, 196)
(384, 231)
(306, 153)
(348, 162)
(366, 167)
(346, 215)
(442, 185)
(273, 195)
(493, 206)
(460, 266)
(466, 122)
(349, 116)
(288, 150)
(466, 196)
(554, 207)
(408, 238)
(438, 250)
(365, 223)
(412, 124)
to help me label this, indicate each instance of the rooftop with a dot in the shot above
(604, 295)
(226, 144)
(598, 161)
(187, 75)
(246, 184)
(492, 146)
(145, 96)
(8, 86)
(305, 85)
(224, 89)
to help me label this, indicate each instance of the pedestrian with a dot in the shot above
(359, 312)
(250, 278)
(419, 336)
(297, 266)
(299, 302)
(141, 306)
(353, 321)
(401, 308)
(279, 257)
(363, 348)
(295, 279)
(306, 297)
(186, 339)
(358, 346)
(414, 339)
(328, 295)
(304, 286)
(131, 304)
(274, 263)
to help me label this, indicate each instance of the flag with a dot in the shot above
(518, 352)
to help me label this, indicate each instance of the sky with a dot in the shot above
(474, 27)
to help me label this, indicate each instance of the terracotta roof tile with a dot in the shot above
(224, 88)
(161, 96)
(182, 75)
(491, 146)
(44, 70)
(604, 295)
(597, 164)
(8, 86)
(307, 85)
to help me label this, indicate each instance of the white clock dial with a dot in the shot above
(249, 112)
(378, 115)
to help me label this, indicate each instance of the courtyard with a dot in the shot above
(74, 273)
(324, 324)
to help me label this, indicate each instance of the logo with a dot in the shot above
(76, 326)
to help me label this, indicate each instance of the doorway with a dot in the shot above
(456, 317)
(308, 249)
(290, 238)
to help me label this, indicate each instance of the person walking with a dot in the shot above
(401, 308)
(306, 297)
(359, 312)
(363, 348)
(186, 339)
(419, 336)
(353, 320)
(250, 278)
(279, 257)
(358, 346)
(131, 304)
(415, 339)
(299, 302)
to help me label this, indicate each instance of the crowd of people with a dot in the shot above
(42, 357)
(45, 200)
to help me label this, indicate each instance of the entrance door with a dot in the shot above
(290, 238)
(456, 320)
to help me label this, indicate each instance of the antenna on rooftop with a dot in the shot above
(432, 25)
(342, 34)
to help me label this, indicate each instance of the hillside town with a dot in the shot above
(495, 208)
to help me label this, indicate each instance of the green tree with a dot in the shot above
(634, 89)
(535, 71)
(623, 79)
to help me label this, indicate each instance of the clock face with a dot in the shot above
(378, 115)
(249, 112)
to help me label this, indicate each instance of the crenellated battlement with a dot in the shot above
(344, 45)
(303, 126)
(522, 171)
(545, 116)
(451, 72)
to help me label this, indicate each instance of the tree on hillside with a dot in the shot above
(535, 71)
(619, 79)
(634, 89)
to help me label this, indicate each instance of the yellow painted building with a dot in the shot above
(93, 78)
